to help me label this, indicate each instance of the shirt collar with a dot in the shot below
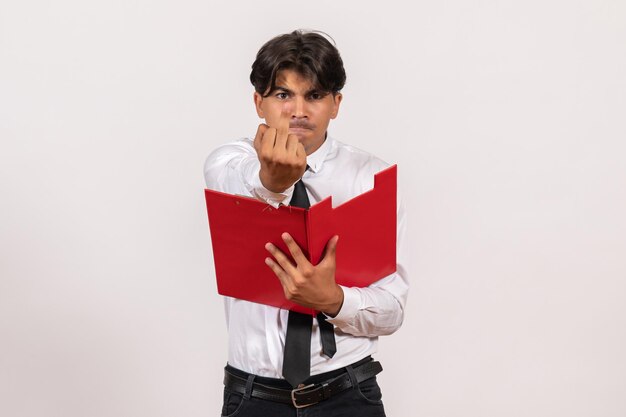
(316, 159)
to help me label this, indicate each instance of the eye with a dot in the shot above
(316, 96)
(282, 95)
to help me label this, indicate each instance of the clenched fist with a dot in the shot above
(282, 156)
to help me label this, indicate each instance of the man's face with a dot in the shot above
(311, 109)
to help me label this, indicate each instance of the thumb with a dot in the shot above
(331, 249)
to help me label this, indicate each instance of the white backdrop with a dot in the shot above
(506, 119)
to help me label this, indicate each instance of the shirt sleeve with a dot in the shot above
(378, 310)
(234, 168)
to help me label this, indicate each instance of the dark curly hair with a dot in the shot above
(308, 53)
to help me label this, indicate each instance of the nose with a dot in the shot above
(299, 108)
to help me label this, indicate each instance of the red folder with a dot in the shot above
(241, 226)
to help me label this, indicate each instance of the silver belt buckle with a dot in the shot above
(293, 395)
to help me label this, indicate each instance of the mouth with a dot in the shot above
(299, 130)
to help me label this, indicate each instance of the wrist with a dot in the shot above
(272, 185)
(333, 309)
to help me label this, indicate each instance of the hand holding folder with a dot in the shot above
(241, 226)
(306, 284)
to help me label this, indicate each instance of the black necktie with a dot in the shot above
(297, 355)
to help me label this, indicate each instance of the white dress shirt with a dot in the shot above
(257, 332)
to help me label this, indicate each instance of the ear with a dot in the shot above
(258, 100)
(336, 101)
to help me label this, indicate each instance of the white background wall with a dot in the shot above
(506, 119)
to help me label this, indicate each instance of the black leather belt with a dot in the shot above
(304, 396)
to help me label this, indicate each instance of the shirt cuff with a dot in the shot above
(349, 308)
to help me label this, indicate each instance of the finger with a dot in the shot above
(281, 258)
(283, 126)
(296, 153)
(292, 145)
(258, 138)
(300, 152)
(278, 271)
(331, 250)
(295, 250)
(267, 144)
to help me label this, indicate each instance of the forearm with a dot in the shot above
(234, 168)
(374, 310)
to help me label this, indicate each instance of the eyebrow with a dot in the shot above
(285, 89)
(288, 91)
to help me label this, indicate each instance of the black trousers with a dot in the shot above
(362, 400)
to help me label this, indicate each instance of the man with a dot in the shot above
(278, 360)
